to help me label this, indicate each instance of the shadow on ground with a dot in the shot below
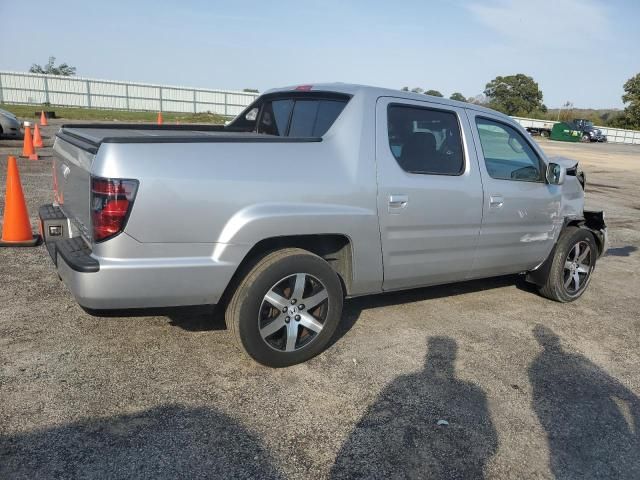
(399, 435)
(354, 307)
(621, 251)
(165, 442)
(592, 421)
(211, 317)
(200, 318)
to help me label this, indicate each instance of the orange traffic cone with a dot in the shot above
(27, 148)
(43, 120)
(16, 228)
(37, 139)
(159, 118)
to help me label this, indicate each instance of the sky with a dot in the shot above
(580, 51)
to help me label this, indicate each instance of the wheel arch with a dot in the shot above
(335, 248)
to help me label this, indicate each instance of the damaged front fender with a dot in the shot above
(592, 221)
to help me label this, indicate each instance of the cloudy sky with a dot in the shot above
(578, 50)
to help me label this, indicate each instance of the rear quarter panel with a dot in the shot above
(226, 194)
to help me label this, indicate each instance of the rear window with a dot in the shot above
(312, 118)
(299, 116)
(275, 117)
(425, 140)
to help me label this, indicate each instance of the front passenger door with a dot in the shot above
(520, 210)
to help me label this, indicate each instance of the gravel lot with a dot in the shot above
(529, 388)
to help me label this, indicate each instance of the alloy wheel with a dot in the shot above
(293, 312)
(577, 268)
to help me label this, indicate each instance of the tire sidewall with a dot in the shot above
(252, 297)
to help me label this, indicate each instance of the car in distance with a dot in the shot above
(313, 194)
(9, 125)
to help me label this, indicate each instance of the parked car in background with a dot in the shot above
(313, 194)
(9, 125)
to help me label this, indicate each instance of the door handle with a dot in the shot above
(496, 201)
(397, 202)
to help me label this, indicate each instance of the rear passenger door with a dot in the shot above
(521, 211)
(429, 192)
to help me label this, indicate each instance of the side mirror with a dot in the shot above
(556, 174)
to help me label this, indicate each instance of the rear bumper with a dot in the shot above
(146, 280)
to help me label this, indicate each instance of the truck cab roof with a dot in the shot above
(354, 89)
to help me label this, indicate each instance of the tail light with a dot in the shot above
(111, 202)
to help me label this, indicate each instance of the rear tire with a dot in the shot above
(573, 263)
(267, 314)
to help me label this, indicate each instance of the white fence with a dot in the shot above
(618, 135)
(36, 89)
(614, 135)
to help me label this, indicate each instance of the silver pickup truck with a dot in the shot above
(313, 194)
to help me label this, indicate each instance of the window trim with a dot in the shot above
(463, 166)
(541, 163)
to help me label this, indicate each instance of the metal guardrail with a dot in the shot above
(614, 135)
(38, 89)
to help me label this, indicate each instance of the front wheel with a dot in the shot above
(586, 139)
(286, 308)
(573, 263)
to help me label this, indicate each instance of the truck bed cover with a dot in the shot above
(89, 136)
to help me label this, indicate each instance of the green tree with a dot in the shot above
(515, 95)
(50, 68)
(632, 97)
(404, 89)
(479, 99)
(433, 93)
(458, 96)
(417, 90)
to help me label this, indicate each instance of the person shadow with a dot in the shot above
(423, 425)
(170, 441)
(592, 421)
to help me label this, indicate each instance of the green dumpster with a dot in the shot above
(563, 132)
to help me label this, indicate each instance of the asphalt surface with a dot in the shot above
(476, 380)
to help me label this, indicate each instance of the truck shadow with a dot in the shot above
(621, 251)
(354, 307)
(428, 424)
(202, 318)
(170, 441)
(592, 421)
(199, 318)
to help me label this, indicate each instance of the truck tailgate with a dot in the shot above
(72, 184)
